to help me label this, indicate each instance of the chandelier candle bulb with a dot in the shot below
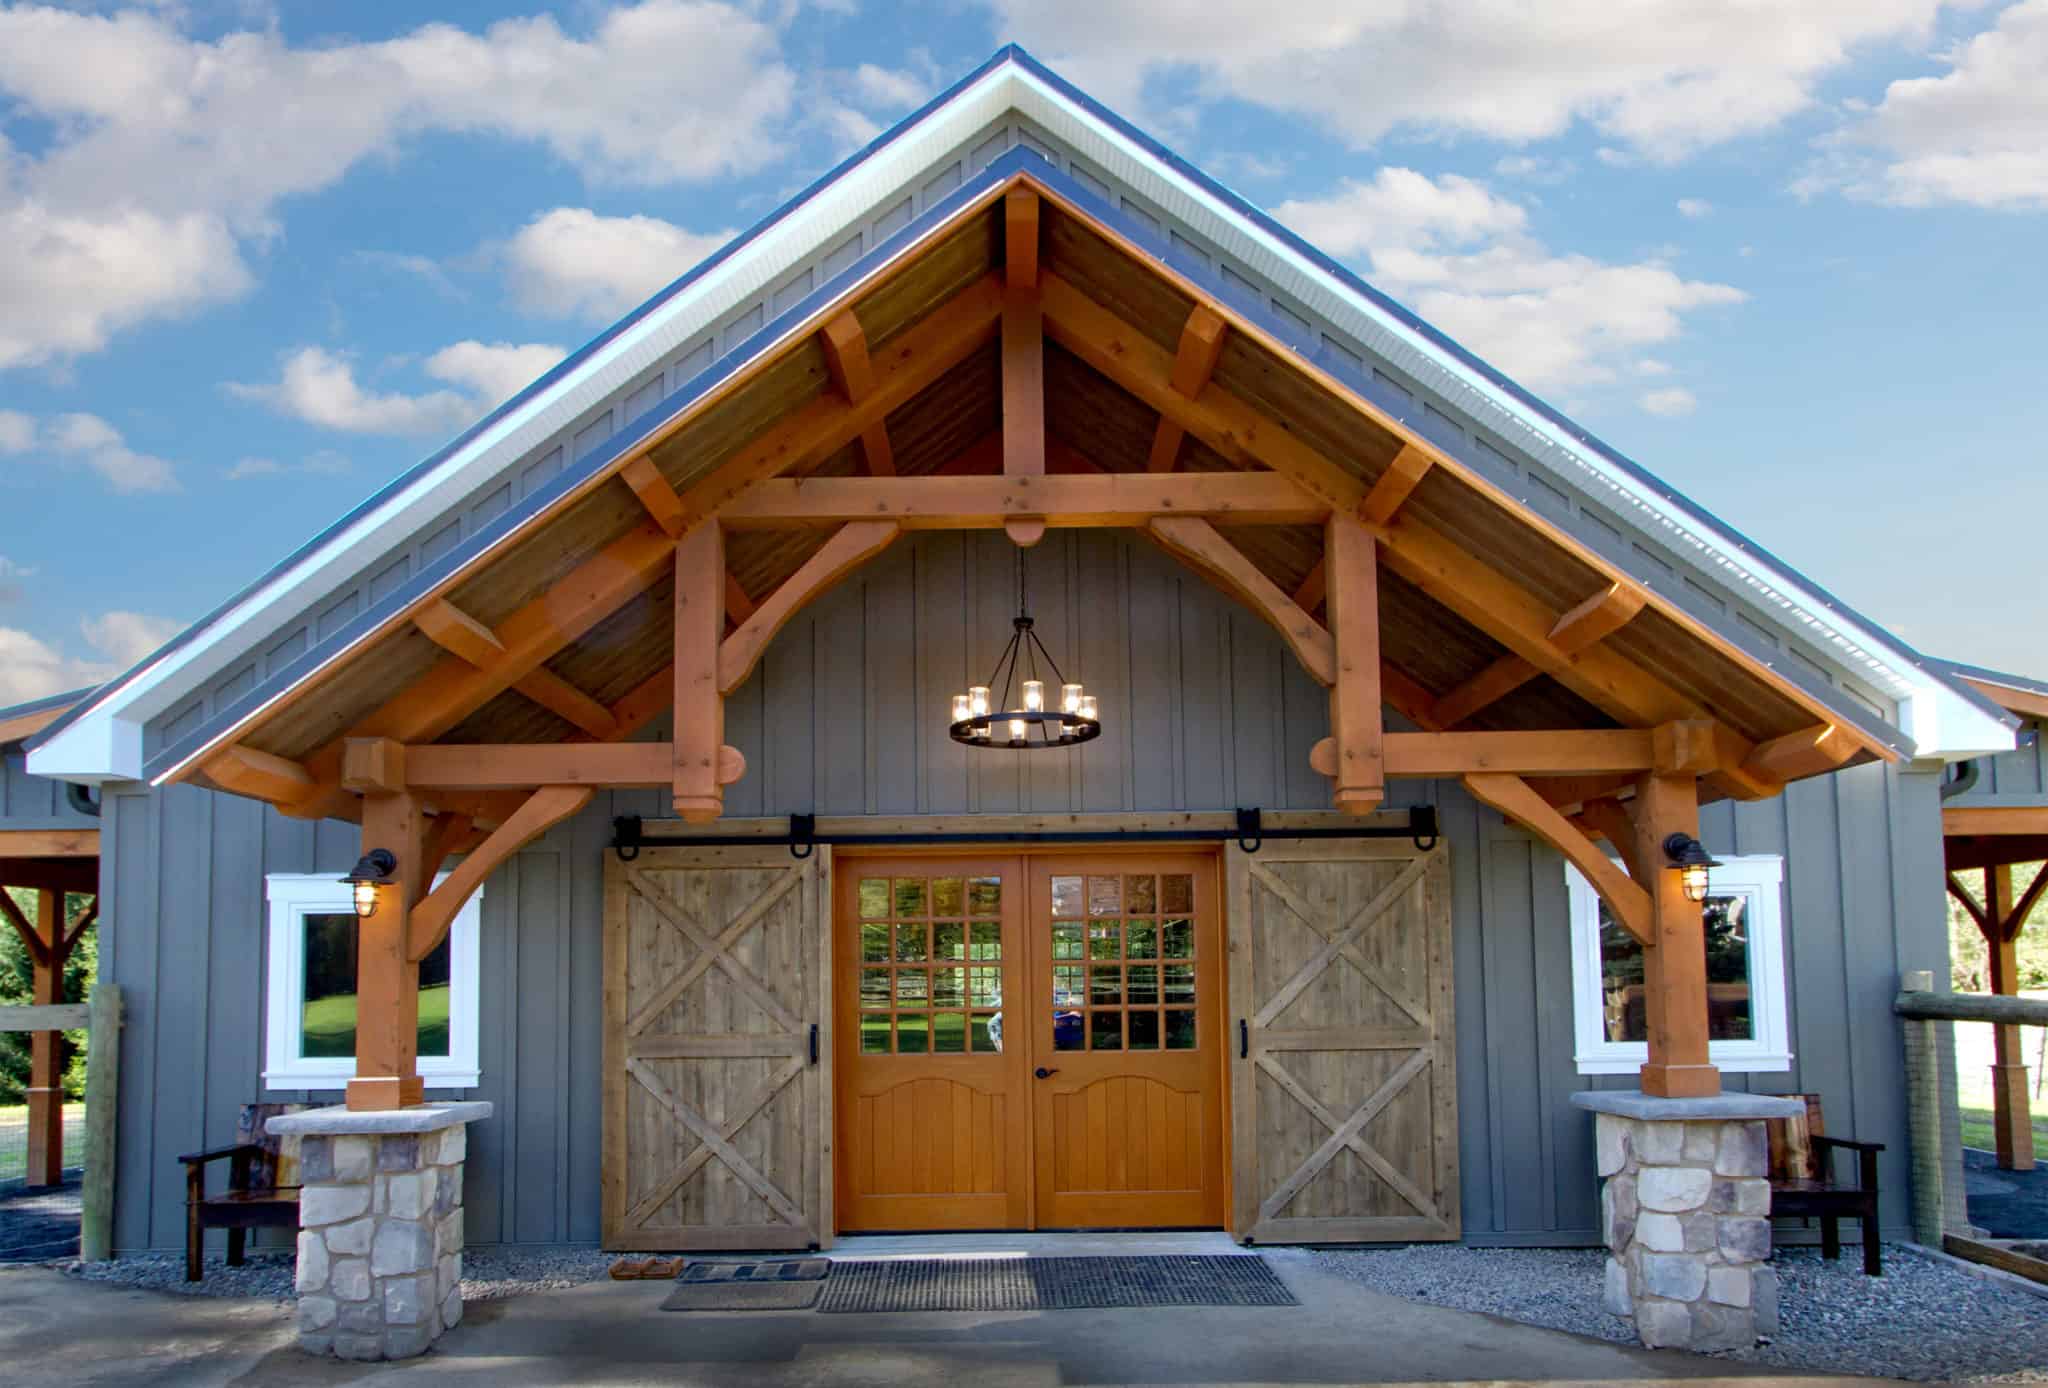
(977, 700)
(1086, 707)
(1017, 726)
(1070, 698)
(1034, 696)
(963, 708)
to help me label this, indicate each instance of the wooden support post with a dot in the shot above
(699, 707)
(1023, 356)
(102, 1106)
(45, 1093)
(387, 979)
(1675, 964)
(1351, 571)
(2012, 1124)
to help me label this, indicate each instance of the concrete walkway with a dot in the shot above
(58, 1330)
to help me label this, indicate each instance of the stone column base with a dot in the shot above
(1685, 1209)
(380, 1221)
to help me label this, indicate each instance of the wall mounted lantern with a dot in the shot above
(1693, 862)
(372, 870)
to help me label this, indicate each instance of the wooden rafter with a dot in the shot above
(1309, 593)
(1198, 544)
(1808, 752)
(262, 776)
(542, 810)
(2024, 702)
(738, 606)
(1513, 797)
(461, 635)
(1579, 629)
(1023, 356)
(1060, 500)
(1408, 695)
(1395, 485)
(1201, 343)
(849, 547)
(662, 504)
(1492, 684)
(846, 358)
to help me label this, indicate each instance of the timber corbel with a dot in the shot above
(544, 809)
(848, 548)
(1198, 543)
(1513, 797)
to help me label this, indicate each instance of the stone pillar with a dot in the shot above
(1685, 1206)
(380, 1221)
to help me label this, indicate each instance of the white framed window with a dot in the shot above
(309, 1017)
(1747, 1026)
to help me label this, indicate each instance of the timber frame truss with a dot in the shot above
(1631, 781)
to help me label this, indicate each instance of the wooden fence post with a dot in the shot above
(102, 1100)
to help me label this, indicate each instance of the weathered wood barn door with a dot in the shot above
(1344, 1087)
(715, 1069)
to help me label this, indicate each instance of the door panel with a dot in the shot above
(933, 1129)
(1127, 1046)
(1345, 1104)
(714, 1108)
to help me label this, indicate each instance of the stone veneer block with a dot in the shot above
(380, 1213)
(1685, 1212)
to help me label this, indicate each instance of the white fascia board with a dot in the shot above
(105, 742)
(1942, 721)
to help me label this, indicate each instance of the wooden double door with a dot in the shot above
(1029, 1042)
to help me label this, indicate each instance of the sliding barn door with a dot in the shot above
(716, 1090)
(1344, 1093)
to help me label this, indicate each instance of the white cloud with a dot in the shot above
(323, 463)
(493, 372)
(320, 387)
(1976, 135)
(1464, 258)
(86, 440)
(1669, 402)
(1661, 77)
(888, 88)
(124, 638)
(10, 569)
(204, 138)
(31, 668)
(1532, 168)
(573, 262)
(1694, 208)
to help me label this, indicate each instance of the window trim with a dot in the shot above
(1759, 876)
(294, 895)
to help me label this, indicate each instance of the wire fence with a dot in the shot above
(14, 1145)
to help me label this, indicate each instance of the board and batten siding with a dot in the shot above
(1204, 708)
(34, 802)
(2018, 777)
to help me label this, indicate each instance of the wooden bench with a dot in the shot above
(262, 1193)
(1803, 1181)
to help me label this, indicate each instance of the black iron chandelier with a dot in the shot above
(1029, 725)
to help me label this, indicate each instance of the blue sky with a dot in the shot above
(253, 264)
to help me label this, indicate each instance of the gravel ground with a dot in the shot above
(1922, 1320)
(487, 1273)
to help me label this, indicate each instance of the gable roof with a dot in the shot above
(19, 722)
(794, 262)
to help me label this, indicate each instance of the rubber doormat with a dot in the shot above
(1053, 1284)
(788, 1284)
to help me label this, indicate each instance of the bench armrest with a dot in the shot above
(1825, 1143)
(216, 1153)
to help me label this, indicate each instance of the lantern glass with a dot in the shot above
(366, 899)
(1017, 726)
(963, 708)
(1034, 696)
(1070, 698)
(977, 699)
(1086, 707)
(1696, 881)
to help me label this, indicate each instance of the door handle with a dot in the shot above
(814, 1043)
(1044, 1074)
(1244, 1039)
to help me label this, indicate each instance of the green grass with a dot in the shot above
(330, 1024)
(1977, 1129)
(14, 1139)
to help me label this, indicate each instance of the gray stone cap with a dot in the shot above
(1633, 1103)
(420, 1118)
